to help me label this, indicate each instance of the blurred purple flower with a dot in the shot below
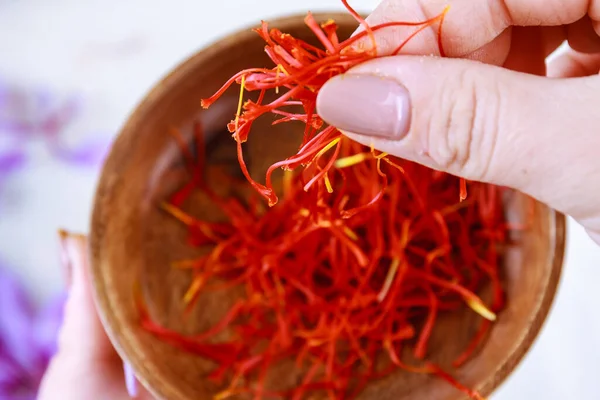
(91, 152)
(10, 162)
(29, 114)
(27, 339)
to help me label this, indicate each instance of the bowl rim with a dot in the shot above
(124, 346)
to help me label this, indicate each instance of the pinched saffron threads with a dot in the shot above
(303, 69)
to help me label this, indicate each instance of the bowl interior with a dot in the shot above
(132, 240)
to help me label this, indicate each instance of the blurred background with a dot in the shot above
(70, 73)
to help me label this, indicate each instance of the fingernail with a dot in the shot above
(65, 258)
(366, 104)
(72, 248)
(130, 380)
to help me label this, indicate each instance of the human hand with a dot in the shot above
(86, 365)
(494, 112)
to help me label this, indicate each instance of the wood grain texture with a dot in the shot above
(132, 240)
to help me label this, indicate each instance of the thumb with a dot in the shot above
(86, 365)
(82, 331)
(479, 122)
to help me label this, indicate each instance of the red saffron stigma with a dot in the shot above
(351, 257)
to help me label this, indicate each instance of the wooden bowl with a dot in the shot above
(132, 239)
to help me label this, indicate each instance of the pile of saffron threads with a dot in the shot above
(356, 263)
(340, 296)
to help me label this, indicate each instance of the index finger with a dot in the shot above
(470, 25)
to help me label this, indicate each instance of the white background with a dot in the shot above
(111, 52)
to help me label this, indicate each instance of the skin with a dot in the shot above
(520, 139)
